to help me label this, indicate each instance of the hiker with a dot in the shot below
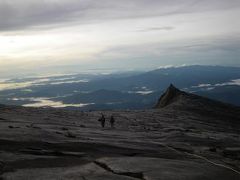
(102, 120)
(112, 121)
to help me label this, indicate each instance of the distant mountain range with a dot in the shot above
(125, 91)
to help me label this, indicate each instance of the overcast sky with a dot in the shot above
(124, 34)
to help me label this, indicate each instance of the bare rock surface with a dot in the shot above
(158, 168)
(189, 137)
(89, 171)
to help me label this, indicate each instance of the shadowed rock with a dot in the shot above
(70, 135)
(171, 95)
(178, 100)
(1, 167)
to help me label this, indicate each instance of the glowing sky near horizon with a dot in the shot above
(125, 34)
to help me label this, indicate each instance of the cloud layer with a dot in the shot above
(19, 14)
(108, 33)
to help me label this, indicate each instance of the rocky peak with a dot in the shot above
(171, 95)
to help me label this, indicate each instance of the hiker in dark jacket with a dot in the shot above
(102, 120)
(112, 121)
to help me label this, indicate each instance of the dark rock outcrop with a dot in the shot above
(1, 167)
(178, 100)
(171, 95)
